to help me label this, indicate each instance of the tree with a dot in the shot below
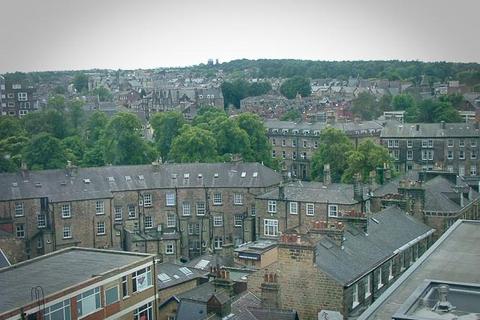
(455, 99)
(333, 149)
(76, 114)
(44, 151)
(74, 147)
(366, 106)
(368, 157)
(122, 143)
(57, 102)
(296, 85)
(292, 114)
(403, 101)
(103, 94)
(80, 82)
(435, 111)
(207, 115)
(11, 152)
(49, 121)
(239, 89)
(230, 138)
(95, 126)
(10, 126)
(194, 144)
(260, 147)
(166, 126)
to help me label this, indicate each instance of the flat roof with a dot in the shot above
(57, 271)
(454, 257)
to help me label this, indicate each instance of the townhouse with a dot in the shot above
(80, 283)
(451, 147)
(294, 144)
(172, 210)
(17, 98)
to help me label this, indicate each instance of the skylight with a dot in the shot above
(186, 271)
(202, 264)
(244, 174)
(128, 178)
(164, 277)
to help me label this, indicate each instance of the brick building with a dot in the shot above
(76, 283)
(295, 143)
(17, 99)
(344, 265)
(451, 147)
(170, 210)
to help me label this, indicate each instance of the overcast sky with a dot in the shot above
(82, 34)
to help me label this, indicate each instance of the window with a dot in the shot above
(66, 211)
(147, 200)
(67, 232)
(11, 95)
(88, 302)
(293, 207)
(461, 143)
(238, 199)
(253, 210)
(144, 312)
(19, 209)
(461, 171)
(368, 286)
(450, 143)
(132, 211)
(41, 221)
(186, 208)
(22, 96)
(305, 144)
(294, 143)
(171, 220)
(284, 143)
(118, 213)
(200, 208)
(273, 142)
(170, 199)
(396, 154)
(272, 206)
(430, 143)
(473, 170)
(294, 155)
(284, 155)
(193, 228)
(100, 228)
(332, 210)
(273, 154)
(355, 295)
(310, 209)
(473, 143)
(124, 287)
(461, 154)
(390, 270)
(16, 86)
(111, 295)
(379, 274)
(20, 230)
(409, 154)
(169, 248)
(217, 199)
(450, 154)
(473, 154)
(141, 279)
(148, 222)
(270, 227)
(217, 221)
(218, 242)
(238, 220)
(99, 207)
(315, 144)
(450, 168)
(424, 143)
(409, 143)
(427, 154)
(22, 113)
(58, 311)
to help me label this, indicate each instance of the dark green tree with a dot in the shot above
(403, 101)
(260, 147)
(44, 151)
(296, 85)
(103, 94)
(166, 126)
(74, 147)
(291, 115)
(230, 138)
(95, 127)
(194, 144)
(80, 82)
(366, 107)
(10, 126)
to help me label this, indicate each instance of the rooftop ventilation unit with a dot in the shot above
(86, 180)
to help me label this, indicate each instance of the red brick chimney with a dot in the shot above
(270, 291)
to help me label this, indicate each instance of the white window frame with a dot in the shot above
(409, 154)
(169, 247)
(171, 220)
(118, 215)
(147, 200)
(20, 230)
(101, 228)
(41, 220)
(170, 199)
(461, 154)
(473, 170)
(237, 199)
(409, 143)
(148, 272)
(99, 207)
(218, 221)
(94, 296)
(145, 308)
(186, 208)
(270, 227)
(129, 207)
(293, 207)
(473, 143)
(355, 301)
(473, 154)
(66, 210)
(22, 96)
(450, 155)
(310, 209)
(19, 209)
(368, 285)
(450, 143)
(217, 199)
(118, 295)
(53, 309)
(237, 220)
(390, 270)
(333, 210)
(461, 143)
(218, 242)
(272, 206)
(148, 222)
(380, 280)
(67, 232)
(200, 208)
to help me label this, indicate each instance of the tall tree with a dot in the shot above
(166, 126)
(296, 85)
(76, 114)
(333, 149)
(10, 126)
(194, 144)
(44, 151)
(366, 106)
(403, 101)
(260, 147)
(230, 138)
(80, 82)
(95, 127)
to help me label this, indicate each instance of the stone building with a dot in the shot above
(17, 98)
(438, 199)
(66, 285)
(451, 147)
(295, 143)
(344, 265)
(171, 210)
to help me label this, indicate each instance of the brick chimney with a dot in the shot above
(334, 230)
(227, 253)
(281, 191)
(222, 279)
(357, 188)
(327, 177)
(270, 291)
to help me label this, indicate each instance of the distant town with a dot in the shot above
(249, 189)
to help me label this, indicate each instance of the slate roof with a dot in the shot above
(57, 271)
(206, 261)
(248, 307)
(191, 310)
(429, 130)
(363, 253)
(335, 193)
(347, 127)
(170, 274)
(59, 186)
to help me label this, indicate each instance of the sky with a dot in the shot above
(39, 35)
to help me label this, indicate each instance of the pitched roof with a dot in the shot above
(170, 274)
(347, 127)
(429, 130)
(339, 193)
(101, 182)
(3, 260)
(248, 307)
(390, 230)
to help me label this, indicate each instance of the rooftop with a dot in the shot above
(429, 130)
(57, 271)
(453, 258)
(170, 274)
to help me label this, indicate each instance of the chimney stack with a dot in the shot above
(327, 177)
(357, 188)
(270, 291)
(417, 127)
(442, 124)
(281, 191)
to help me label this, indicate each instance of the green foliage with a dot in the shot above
(95, 127)
(44, 151)
(291, 115)
(57, 102)
(11, 152)
(260, 147)
(230, 138)
(80, 82)
(207, 115)
(239, 89)
(455, 99)
(103, 94)
(469, 77)
(296, 85)
(59, 90)
(74, 147)
(366, 107)
(333, 149)
(194, 144)
(166, 126)
(76, 114)
(368, 157)
(50, 121)
(403, 102)
(10, 127)
(433, 111)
